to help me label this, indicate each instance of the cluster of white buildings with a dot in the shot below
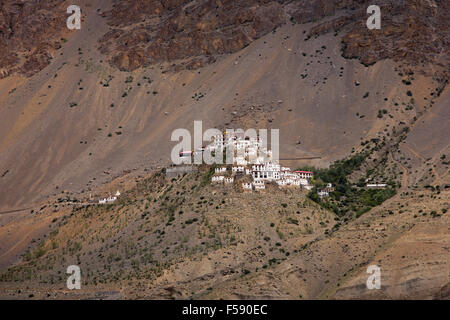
(251, 158)
(325, 192)
(376, 185)
(245, 151)
(110, 199)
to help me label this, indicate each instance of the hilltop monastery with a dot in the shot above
(251, 158)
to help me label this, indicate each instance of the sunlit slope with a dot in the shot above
(64, 128)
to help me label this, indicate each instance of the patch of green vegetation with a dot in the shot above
(38, 252)
(347, 198)
(207, 177)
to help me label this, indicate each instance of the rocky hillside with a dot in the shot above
(193, 33)
(91, 111)
(145, 32)
(205, 234)
(108, 120)
(183, 238)
(30, 32)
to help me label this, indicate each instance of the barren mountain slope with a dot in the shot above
(98, 115)
(30, 33)
(145, 32)
(56, 123)
(173, 233)
(401, 237)
(184, 238)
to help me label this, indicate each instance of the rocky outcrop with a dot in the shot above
(29, 32)
(304, 11)
(415, 32)
(146, 32)
(189, 34)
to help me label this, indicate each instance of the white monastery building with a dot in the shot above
(250, 158)
(110, 199)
